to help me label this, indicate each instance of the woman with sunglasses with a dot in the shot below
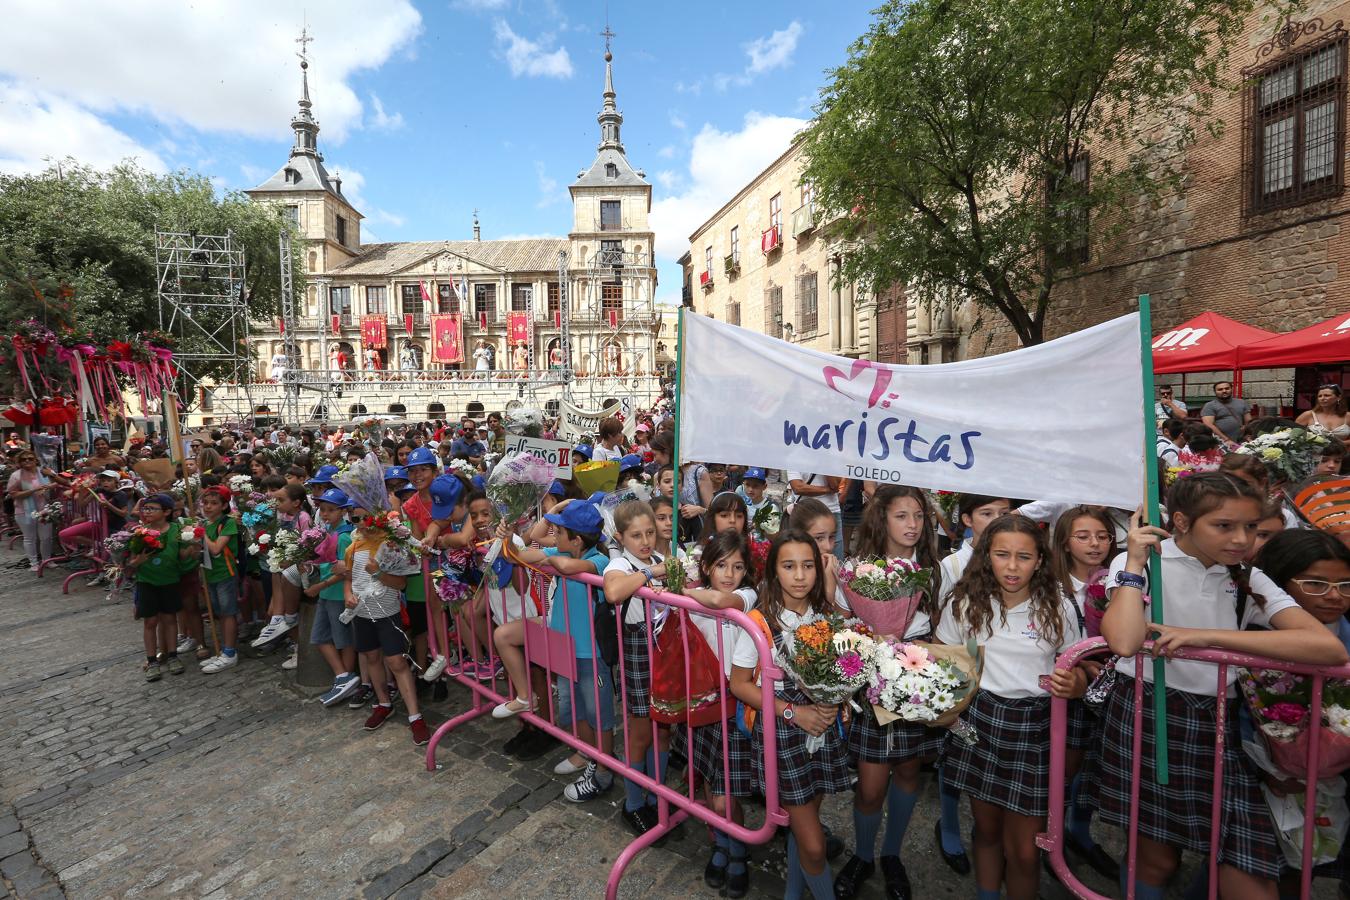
(31, 489)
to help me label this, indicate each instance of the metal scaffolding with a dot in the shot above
(204, 307)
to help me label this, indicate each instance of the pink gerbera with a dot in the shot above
(915, 658)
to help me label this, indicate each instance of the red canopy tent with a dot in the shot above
(1208, 343)
(1325, 342)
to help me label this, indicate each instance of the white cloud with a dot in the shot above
(548, 187)
(480, 5)
(37, 129)
(382, 120)
(668, 179)
(526, 57)
(720, 164)
(774, 51)
(677, 121)
(226, 68)
(666, 152)
(353, 188)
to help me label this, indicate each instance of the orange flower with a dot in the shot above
(816, 635)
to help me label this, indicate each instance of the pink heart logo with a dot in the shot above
(883, 378)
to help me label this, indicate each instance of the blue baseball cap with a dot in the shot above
(404, 489)
(392, 472)
(445, 491)
(631, 461)
(421, 457)
(163, 501)
(324, 475)
(557, 489)
(479, 483)
(580, 516)
(756, 473)
(337, 498)
(583, 450)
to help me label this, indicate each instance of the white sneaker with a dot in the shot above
(219, 664)
(293, 660)
(434, 670)
(187, 643)
(271, 631)
(567, 767)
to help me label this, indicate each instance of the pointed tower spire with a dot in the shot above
(609, 118)
(305, 126)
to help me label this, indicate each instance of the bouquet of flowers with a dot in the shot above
(241, 485)
(399, 549)
(912, 683)
(191, 530)
(1095, 606)
(884, 593)
(1280, 705)
(1189, 463)
(51, 514)
(759, 558)
(291, 548)
(947, 503)
(363, 482)
(827, 655)
(597, 475)
(117, 544)
(462, 468)
(260, 520)
(283, 456)
(144, 540)
(515, 488)
(1290, 454)
(525, 421)
(82, 484)
(768, 521)
(183, 486)
(457, 575)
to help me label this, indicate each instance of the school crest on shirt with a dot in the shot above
(1030, 632)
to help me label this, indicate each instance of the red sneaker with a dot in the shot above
(377, 716)
(420, 732)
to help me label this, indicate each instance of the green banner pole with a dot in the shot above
(679, 399)
(1155, 585)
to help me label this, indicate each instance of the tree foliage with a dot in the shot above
(77, 247)
(953, 131)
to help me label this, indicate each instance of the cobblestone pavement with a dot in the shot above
(239, 785)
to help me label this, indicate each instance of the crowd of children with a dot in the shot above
(1015, 582)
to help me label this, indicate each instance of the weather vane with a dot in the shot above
(607, 34)
(303, 40)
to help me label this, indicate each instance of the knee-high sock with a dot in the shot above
(822, 885)
(982, 894)
(1144, 891)
(737, 853)
(634, 793)
(720, 854)
(865, 828)
(657, 758)
(899, 808)
(950, 800)
(796, 878)
(1079, 823)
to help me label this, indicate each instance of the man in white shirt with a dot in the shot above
(825, 489)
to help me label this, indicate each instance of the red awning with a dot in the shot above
(1325, 342)
(1207, 343)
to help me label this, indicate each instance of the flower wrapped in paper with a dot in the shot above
(515, 488)
(767, 521)
(919, 683)
(50, 514)
(1290, 454)
(1280, 703)
(190, 530)
(363, 483)
(884, 593)
(596, 475)
(293, 548)
(827, 655)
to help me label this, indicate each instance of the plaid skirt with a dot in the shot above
(1009, 765)
(637, 670)
(707, 756)
(1083, 726)
(871, 742)
(1178, 814)
(802, 776)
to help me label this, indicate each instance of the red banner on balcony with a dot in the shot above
(446, 343)
(336, 323)
(281, 325)
(613, 315)
(373, 334)
(769, 240)
(704, 278)
(408, 323)
(557, 318)
(518, 328)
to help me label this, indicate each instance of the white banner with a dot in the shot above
(558, 453)
(575, 423)
(1057, 421)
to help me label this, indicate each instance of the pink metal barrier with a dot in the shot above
(96, 556)
(1052, 841)
(553, 651)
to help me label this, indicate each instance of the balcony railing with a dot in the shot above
(731, 263)
(770, 240)
(803, 220)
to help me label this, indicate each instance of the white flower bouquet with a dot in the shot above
(1290, 454)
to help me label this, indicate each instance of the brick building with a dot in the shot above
(1259, 230)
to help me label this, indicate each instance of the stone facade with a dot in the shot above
(1205, 248)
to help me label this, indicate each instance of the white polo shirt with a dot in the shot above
(1015, 654)
(637, 610)
(953, 566)
(1200, 597)
(708, 626)
(831, 500)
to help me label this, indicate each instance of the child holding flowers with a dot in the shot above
(793, 594)
(155, 558)
(897, 524)
(221, 539)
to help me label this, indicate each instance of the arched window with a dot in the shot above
(397, 409)
(474, 409)
(435, 409)
(356, 409)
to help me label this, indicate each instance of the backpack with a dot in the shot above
(605, 626)
(746, 715)
(687, 677)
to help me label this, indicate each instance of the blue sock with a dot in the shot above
(865, 828)
(796, 878)
(655, 759)
(634, 793)
(982, 894)
(720, 855)
(228, 652)
(737, 853)
(1144, 891)
(822, 885)
(951, 815)
(1079, 824)
(899, 808)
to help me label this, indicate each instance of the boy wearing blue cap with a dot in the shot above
(330, 634)
(752, 490)
(577, 533)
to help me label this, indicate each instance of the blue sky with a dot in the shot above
(429, 110)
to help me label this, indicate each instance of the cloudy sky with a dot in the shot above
(428, 110)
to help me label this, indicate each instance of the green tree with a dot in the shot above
(77, 248)
(957, 134)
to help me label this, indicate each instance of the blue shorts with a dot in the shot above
(585, 689)
(224, 598)
(328, 628)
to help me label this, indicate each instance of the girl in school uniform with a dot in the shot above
(1210, 597)
(791, 590)
(1009, 603)
(639, 565)
(1082, 545)
(724, 570)
(896, 523)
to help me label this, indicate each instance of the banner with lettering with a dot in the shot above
(518, 328)
(575, 423)
(1057, 421)
(556, 453)
(373, 334)
(446, 346)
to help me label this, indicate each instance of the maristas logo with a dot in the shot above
(880, 381)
